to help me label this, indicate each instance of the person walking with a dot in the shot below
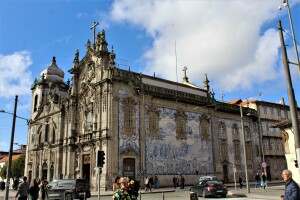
(43, 194)
(263, 181)
(175, 182)
(156, 182)
(182, 182)
(292, 191)
(257, 180)
(241, 182)
(33, 190)
(23, 190)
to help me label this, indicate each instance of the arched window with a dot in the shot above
(53, 135)
(46, 132)
(35, 103)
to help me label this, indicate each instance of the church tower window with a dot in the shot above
(35, 103)
(53, 135)
(46, 133)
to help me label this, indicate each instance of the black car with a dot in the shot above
(210, 188)
(68, 189)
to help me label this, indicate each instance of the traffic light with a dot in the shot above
(101, 158)
(296, 163)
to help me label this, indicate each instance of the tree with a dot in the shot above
(3, 171)
(18, 167)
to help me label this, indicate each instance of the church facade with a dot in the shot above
(146, 126)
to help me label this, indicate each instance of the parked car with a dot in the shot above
(68, 189)
(211, 178)
(210, 188)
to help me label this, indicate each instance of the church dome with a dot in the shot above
(53, 72)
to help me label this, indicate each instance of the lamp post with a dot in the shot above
(285, 3)
(244, 148)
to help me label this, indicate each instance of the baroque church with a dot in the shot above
(146, 126)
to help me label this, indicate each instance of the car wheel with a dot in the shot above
(223, 195)
(68, 197)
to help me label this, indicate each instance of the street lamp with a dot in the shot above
(285, 3)
(244, 148)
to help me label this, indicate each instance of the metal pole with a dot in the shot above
(293, 35)
(234, 170)
(163, 196)
(244, 148)
(99, 179)
(291, 95)
(11, 151)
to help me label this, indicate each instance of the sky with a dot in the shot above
(235, 42)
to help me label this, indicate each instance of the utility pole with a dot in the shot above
(244, 148)
(291, 95)
(11, 151)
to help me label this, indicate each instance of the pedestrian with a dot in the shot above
(241, 182)
(43, 194)
(2, 185)
(156, 182)
(292, 191)
(175, 182)
(33, 190)
(257, 180)
(116, 184)
(16, 183)
(263, 181)
(23, 190)
(151, 183)
(146, 183)
(182, 182)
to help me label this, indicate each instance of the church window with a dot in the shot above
(153, 123)
(129, 117)
(247, 133)
(223, 150)
(248, 150)
(180, 118)
(56, 99)
(222, 131)
(35, 103)
(128, 121)
(204, 124)
(235, 132)
(46, 133)
(89, 122)
(32, 138)
(237, 150)
(53, 135)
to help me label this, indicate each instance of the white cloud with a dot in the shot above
(15, 76)
(221, 38)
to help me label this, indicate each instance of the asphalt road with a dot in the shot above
(271, 193)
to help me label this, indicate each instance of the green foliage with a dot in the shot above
(3, 171)
(18, 167)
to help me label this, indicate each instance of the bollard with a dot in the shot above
(193, 196)
(140, 195)
(163, 196)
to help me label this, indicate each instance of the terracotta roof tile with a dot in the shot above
(14, 157)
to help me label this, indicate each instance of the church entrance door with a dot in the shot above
(86, 167)
(129, 167)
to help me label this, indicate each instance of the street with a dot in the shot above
(271, 193)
